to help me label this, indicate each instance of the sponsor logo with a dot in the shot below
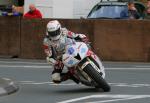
(70, 62)
(71, 50)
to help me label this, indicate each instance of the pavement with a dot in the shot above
(7, 86)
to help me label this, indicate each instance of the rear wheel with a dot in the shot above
(96, 76)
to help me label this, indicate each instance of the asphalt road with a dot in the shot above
(130, 83)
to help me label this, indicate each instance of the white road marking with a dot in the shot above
(38, 64)
(142, 66)
(49, 66)
(129, 85)
(113, 97)
(6, 79)
(2, 91)
(109, 98)
(76, 99)
(24, 66)
(127, 68)
(70, 84)
(44, 64)
(26, 81)
(49, 83)
(132, 97)
(22, 62)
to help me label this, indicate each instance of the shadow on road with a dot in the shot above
(79, 90)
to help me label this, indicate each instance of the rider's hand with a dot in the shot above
(83, 38)
(81, 35)
(51, 60)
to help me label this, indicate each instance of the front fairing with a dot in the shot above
(74, 53)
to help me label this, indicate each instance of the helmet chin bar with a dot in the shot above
(55, 39)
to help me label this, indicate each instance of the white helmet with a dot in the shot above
(54, 30)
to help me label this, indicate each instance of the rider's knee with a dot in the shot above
(56, 77)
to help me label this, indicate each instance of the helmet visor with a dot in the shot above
(54, 33)
(55, 39)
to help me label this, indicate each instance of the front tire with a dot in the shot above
(93, 74)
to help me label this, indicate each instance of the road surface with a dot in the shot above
(130, 83)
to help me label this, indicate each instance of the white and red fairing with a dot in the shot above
(75, 53)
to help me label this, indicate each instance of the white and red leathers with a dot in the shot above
(55, 49)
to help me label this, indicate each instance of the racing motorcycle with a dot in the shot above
(87, 67)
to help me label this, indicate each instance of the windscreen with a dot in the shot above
(109, 11)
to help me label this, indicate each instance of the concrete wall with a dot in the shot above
(112, 40)
(32, 34)
(9, 36)
(122, 40)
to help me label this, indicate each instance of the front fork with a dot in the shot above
(83, 76)
(87, 61)
(83, 64)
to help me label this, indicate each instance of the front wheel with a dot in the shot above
(96, 76)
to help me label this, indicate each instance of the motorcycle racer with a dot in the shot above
(54, 46)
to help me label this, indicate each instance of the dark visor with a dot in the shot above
(54, 33)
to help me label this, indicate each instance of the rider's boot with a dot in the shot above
(56, 76)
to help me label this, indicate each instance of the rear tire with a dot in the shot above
(93, 74)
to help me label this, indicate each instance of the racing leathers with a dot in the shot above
(54, 51)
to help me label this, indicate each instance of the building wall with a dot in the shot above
(5, 2)
(62, 8)
(45, 7)
(131, 42)
(83, 7)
